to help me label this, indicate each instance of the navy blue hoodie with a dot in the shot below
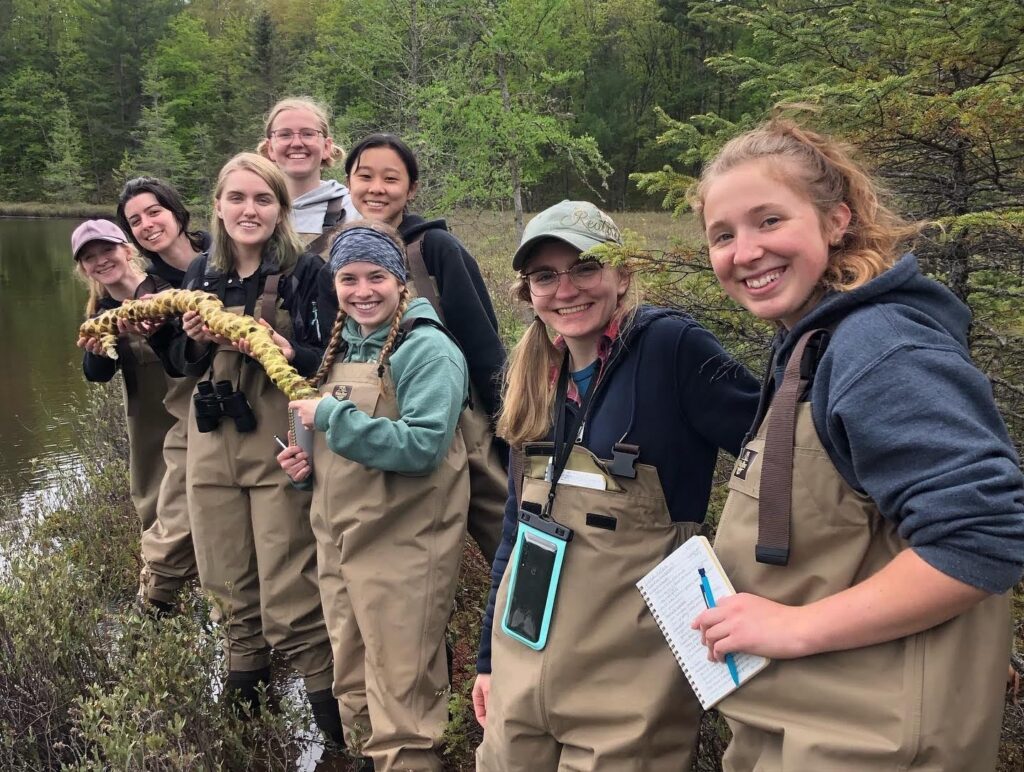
(908, 420)
(669, 387)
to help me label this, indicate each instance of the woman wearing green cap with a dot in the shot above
(390, 496)
(634, 402)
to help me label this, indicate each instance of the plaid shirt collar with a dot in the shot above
(604, 350)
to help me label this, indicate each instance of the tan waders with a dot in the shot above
(254, 545)
(605, 693)
(488, 482)
(931, 701)
(167, 553)
(389, 552)
(145, 385)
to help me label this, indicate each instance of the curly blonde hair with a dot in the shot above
(828, 173)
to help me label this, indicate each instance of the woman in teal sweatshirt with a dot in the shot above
(390, 495)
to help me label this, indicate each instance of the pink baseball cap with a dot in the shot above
(96, 230)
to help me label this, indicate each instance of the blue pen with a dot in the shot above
(709, 601)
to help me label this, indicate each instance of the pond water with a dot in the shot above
(41, 384)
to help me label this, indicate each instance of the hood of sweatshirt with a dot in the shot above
(904, 289)
(308, 210)
(366, 348)
(413, 225)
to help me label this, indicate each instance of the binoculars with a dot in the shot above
(221, 400)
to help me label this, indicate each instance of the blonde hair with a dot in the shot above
(284, 241)
(828, 173)
(528, 390)
(96, 290)
(337, 152)
(334, 344)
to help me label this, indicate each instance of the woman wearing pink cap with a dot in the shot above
(114, 272)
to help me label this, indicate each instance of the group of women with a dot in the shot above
(881, 598)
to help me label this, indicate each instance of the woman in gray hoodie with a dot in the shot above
(298, 139)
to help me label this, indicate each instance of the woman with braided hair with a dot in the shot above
(254, 546)
(390, 496)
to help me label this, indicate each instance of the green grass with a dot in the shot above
(39, 209)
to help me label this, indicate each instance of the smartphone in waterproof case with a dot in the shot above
(533, 586)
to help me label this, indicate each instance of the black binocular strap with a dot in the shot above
(421, 277)
(776, 496)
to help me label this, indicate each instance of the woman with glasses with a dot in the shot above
(615, 427)
(155, 218)
(298, 139)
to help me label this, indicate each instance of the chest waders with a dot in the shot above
(254, 545)
(145, 384)
(488, 482)
(389, 548)
(168, 557)
(930, 701)
(605, 692)
(168, 560)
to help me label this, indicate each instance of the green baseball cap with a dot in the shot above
(579, 224)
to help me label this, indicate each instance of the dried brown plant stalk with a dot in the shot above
(234, 327)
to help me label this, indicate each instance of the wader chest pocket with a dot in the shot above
(533, 585)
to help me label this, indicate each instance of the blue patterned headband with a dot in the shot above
(365, 245)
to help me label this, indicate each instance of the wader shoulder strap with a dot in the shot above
(268, 304)
(776, 498)
(408, 325)
(334, 218)
(420, 276)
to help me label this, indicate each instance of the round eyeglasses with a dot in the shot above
(287, 135)
(585, 275)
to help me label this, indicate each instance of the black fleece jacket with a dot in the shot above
(302, 296)
(465, 304)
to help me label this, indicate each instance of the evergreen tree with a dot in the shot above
(64, 178)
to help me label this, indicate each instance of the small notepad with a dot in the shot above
(672, 591)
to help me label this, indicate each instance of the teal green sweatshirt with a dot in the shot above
(432, 386)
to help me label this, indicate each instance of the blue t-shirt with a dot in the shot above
(583, 377)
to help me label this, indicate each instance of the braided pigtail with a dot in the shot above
(331, 352)
(396, 322)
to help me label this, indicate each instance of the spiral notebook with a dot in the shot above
(673, 592)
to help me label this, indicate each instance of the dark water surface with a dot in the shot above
(41, 384)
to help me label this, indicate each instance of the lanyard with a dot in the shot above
(562, 446)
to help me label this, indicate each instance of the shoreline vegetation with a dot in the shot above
(88, 684)
(40, 209)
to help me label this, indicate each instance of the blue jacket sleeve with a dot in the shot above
(508, 538)
(919, 432)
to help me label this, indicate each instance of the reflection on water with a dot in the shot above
(41, 383)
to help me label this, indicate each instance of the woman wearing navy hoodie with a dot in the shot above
(635, 402)
(881, 592)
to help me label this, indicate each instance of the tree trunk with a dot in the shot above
(513, 161)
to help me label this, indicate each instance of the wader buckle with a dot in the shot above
(624, 458)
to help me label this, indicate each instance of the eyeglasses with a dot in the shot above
(585, 275)
(287, 135)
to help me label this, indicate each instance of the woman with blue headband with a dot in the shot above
(390, 495)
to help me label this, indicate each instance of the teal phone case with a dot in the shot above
(529, 535)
